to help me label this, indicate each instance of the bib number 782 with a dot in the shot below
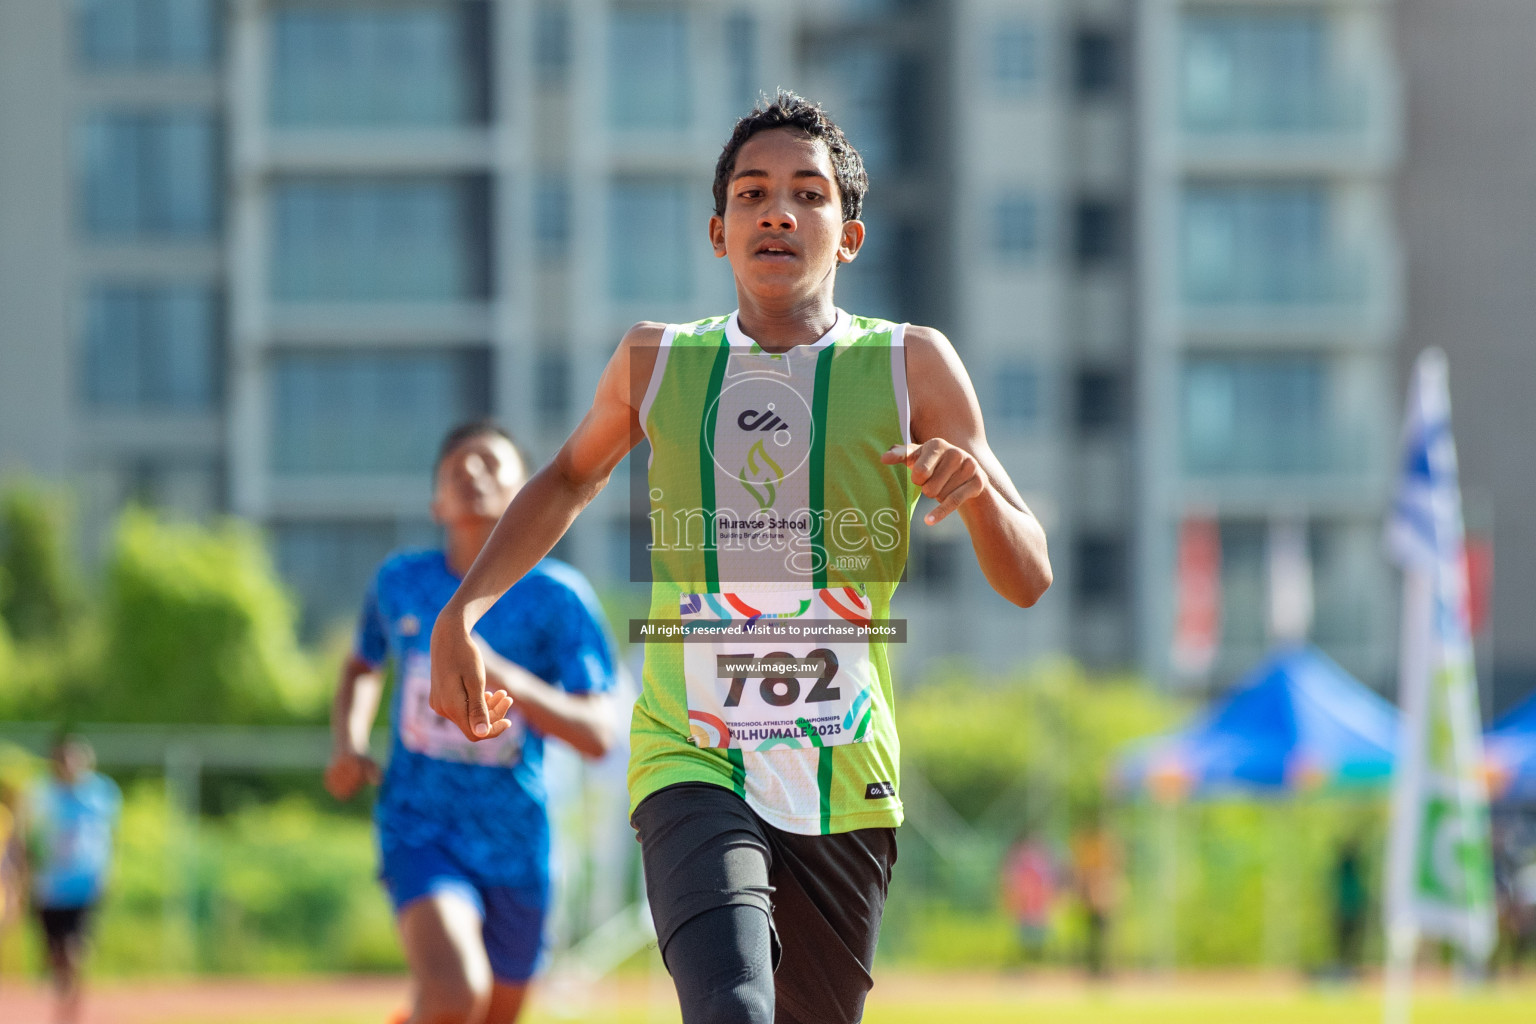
(783, 690)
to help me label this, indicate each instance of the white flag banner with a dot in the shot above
(1439, 863)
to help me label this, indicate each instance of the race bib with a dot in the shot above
(751, 694)
(424, 731)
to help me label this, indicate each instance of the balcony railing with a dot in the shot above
(1333, 108)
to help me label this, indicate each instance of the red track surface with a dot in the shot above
(212, 1001)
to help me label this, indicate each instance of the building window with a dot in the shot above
(552, 378)
(329, 564)
(151, 348)
(552, 215)
(1100, 569)
(741, 45)
(1016, 227)
(148, 34)
(651, 240)
(381, 411)
(551, 43)
(1258, 244)
(381, 240)
(1098, 233)
(648, 68)
(1017, 406)
(150, 175)
(1099, 62)
(1100, 401)
(936, 564)
(1257, 414)
(391, 64)
(1258, 70)
(1015, 58)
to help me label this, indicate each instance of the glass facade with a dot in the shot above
(648, 68)
(1015, 58)
(552, 42)
(380, 240)
(151, 348)
(1016, 227)
(149, 175)
(653, 232)
(1258, 414)
(1256, 71)
(371, 411)
(741, 46)
(1264, 243)
(121, 35)
(384, 65)
(330, 564)
(1016, 406)
(552, 215)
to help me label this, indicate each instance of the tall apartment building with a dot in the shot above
(259, 254)
(1270, 303)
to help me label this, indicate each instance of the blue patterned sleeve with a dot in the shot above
(372, 643)
(584, 645)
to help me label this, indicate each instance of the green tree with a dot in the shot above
(198, 629)
(37, 582)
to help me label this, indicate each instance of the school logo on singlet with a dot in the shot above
(762, 472)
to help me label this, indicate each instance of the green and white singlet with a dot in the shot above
(769, 503)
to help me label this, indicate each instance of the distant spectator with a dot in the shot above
(1096, 870)
(1029, 893)
(68, 821)
(1350, 904)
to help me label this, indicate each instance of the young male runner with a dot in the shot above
(463, 832)
(68, 826)
(785, 439)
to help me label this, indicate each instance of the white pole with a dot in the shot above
(1407, 794)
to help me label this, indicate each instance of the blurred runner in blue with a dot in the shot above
(463, 830)
(68, 823)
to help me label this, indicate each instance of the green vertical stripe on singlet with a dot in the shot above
(824, 787)
(707, 464)
(818, 468)
(738, 771)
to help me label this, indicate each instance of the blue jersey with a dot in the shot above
(484, 801)
(72, 829)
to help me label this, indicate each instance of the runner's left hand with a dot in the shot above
(948, 474)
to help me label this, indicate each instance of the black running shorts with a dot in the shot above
(704, 848)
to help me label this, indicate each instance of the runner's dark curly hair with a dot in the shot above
(790, 111)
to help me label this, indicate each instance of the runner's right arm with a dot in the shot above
(538, 517)
(352, 713)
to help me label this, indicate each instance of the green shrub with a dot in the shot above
(37, 582)
(198, 629)
(280, 888)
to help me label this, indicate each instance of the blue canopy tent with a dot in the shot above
(1509, 748)
(1296, 722)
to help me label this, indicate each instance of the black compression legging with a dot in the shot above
(722, 965)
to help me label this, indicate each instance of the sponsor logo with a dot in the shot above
(879, 790)
(751, 420)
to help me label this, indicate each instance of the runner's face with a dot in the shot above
(476, 482)
(783, 228)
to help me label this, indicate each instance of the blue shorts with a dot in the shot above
(513, 917)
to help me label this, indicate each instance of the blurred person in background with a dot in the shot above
(68, 823)
(1350, 906)
(1096, 874)
(463, 829)
(1029, 894)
